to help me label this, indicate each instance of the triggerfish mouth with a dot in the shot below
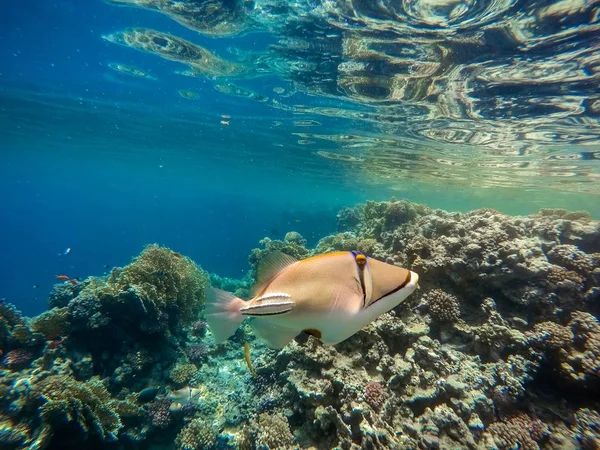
(330, 296)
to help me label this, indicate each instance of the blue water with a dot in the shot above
(104, 163)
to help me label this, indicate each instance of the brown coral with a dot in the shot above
(166, 279)
(196, 435)
(52, 323)
(442, 306)
(520, 431)
(274, 432)
(553, 336)
(375, 394)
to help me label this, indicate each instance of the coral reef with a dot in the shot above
(499, 350)
(196, 435)
(506, 317)
(182, 373)
(52, 323)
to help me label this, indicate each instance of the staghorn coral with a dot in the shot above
(52, 323)
(89, 404)
(196, 435)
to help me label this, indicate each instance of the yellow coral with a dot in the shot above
(183, 373)
(162, 275)
(22, 335)
(196, 435)
(51, 323)
(274, 432)
(161, 279)
(89, 403)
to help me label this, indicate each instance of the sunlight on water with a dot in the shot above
(484, 94)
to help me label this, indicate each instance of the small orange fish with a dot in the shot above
(73, 282)
(225, 122)
(62, 277)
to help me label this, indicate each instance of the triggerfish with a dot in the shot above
(330, 296)
(185, 395)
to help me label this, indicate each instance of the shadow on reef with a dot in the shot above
(500, 349)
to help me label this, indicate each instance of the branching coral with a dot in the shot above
(12, 326)
(183, 373)
(520, 431)
(273, 433)
(89, 404)
(166, 280)
(442, 306)
(375, 394)
(196, 435)
(52, 323)
(159, 412)
(292, 248)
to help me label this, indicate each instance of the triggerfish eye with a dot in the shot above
(361, 259)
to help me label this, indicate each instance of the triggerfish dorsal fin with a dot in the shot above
(270, 266)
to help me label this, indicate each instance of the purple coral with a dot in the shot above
(196, 353)
(19, 358)
(374, 394)
(198, 328)
(159, 413)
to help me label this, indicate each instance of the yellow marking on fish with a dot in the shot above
(248, 360)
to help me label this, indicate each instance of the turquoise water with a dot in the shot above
(92, 149)
(206, 126)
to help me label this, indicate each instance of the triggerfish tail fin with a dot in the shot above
(223, 313)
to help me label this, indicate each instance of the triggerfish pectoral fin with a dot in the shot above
(223, 313)
(274, 336)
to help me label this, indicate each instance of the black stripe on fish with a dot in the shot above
(255, 314)
(396, 289)
(361, 277)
